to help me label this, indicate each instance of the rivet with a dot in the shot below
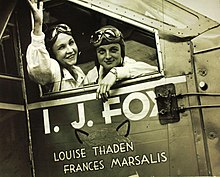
(212, 135)
(203, 72)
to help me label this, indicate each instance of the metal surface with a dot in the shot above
(176, 58)
(14, 147)
(167, 104)
(188, 48)
(207, 41)
(61, 117)
(160, 14)
(207, 59)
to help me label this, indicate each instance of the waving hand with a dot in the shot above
(37, 11)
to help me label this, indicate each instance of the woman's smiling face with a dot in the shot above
(109, 55)
(65, 49)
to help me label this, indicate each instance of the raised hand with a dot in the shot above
(37, 11)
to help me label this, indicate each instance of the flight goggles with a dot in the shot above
(60, 28)
(110, 34)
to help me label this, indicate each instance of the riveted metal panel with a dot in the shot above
(176, 58)
(198, 133)
(149, 136)
(207, 41)
(207, 66)
(142, 11)
(182, 143)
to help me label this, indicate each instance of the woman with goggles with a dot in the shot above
(112, 64)
(51, 63)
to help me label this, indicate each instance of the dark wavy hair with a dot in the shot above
(51, 35)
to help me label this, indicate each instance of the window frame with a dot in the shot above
(122, 19)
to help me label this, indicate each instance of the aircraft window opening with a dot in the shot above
(140, 44)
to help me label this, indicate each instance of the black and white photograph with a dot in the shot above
(109, 88)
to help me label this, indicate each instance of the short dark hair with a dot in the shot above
(50, 37)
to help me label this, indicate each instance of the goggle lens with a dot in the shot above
(61, 28)
(111, 35)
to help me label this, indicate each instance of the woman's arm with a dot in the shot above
(37, 17)
(41, 68)
(132, 69)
